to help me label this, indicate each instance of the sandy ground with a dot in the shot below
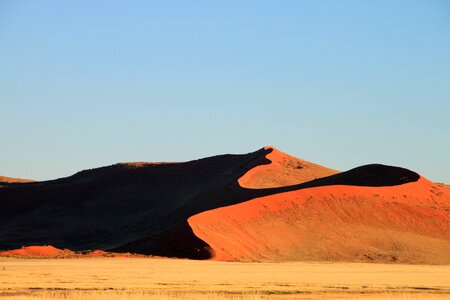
(21, 278)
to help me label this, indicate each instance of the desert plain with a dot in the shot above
(150, 278)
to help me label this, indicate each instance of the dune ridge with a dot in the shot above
(282, 170)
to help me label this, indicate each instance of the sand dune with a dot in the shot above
(49, 251)
(38, 251)
(405, 223)
(4, 179)
(109, 207)
(261, 206)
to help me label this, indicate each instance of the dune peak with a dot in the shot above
(278, 169)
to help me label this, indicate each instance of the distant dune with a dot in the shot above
(52, 252)
(4, 179)
(38, 251)
(260, 206)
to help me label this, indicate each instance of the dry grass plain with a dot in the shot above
(145, 278)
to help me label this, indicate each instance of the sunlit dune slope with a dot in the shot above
(48, 251)
(442, 185)
(407, 223)
(37, 251)
(4, 179)
(282, 170)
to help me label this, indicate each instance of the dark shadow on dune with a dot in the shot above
(143, 208)
(373, 175)
(179, 241)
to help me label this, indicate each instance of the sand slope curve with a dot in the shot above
(407, 223)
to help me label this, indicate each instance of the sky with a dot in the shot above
(85, 84)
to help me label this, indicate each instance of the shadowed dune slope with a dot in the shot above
(283, 170)
(136, 207)
(407, 223)
(112, 206)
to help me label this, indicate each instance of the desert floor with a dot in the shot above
(145, 278)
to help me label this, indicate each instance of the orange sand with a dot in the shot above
(283, 170)
(13, 180)
(52, 252)
(404, 223)
(37, 251)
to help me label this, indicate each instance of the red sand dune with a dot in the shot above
(52, 252)
(407, 223)
(4, 179)
(260, 206)
(283, 170)
(38, 251)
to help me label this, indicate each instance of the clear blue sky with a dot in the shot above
(340, 83)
